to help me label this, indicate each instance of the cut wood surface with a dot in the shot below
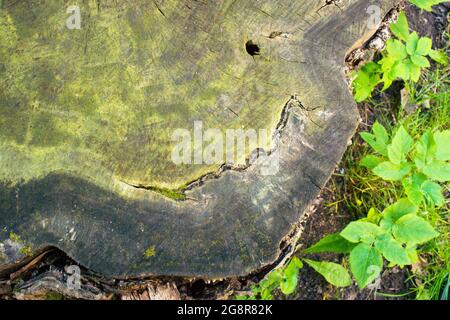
(86, 118)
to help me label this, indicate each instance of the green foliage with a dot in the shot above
(426, 4)
(334, 273)
(392, 235)
(404, 58)
(285, 279)
(420, 165)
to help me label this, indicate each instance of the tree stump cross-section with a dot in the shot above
(91, 95)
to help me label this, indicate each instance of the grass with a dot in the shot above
(357, 190)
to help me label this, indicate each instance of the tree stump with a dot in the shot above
(91, 96)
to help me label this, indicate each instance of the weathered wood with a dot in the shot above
(86, 118)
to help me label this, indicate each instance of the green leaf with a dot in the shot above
(412, 230)
(439, 56)
(392, 172)
(401, 29)
(334, 273)
(378, 146)
(366, 264)
(370, 161)
(373, 216)
(420, 61)
(360, 231)
(442, 140)
(366, 80)
(380, 132)
(290, 276)
(400, 146)
(413, 187)
(396, 50)
(433, 193)
(333, 243)
(411, 43)
(425, 150)
(392, 250)
(438, 171)
(426, 5)
(424, 46)
(397, 210)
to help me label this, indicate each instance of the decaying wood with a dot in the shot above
(84, 144)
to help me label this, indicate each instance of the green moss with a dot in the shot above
(115, 90)
(54, 296)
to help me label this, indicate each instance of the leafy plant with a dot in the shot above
(420, 165)
(426, 4)
(393, 235)
(286, 279)
(404, 58)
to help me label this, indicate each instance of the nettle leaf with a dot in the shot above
(397, 210)
(425, 150)
(442, 140)
(433, 193)
(360, 231)
(412, 230)
(366, 264)
(370, 161)
(334, 273)
(401, 29)
(439, 56)
(437, 171)
(400, 146)
(392, 172)
(426, 5)
(414, 71)
(380, 132)
(392, 250)
(333, 243)
(413, 187)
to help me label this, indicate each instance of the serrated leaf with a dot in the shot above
(334, 273)
(378, 146)
(370, 161)
(397, 210)
(333, 243)
(433, 193)
(412, 230)
(442, 141)
(396, 50)
(366, 264)
(380, 132)
(439, 56)
(400, 146)
(420, 61)
(412, 186)
(401, 29)
(425, 150)
(392, 172)
(424, 46)
(437, 171)
(360, 231)
(392, 250)
(411, 43)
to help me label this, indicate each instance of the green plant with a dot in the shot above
(286, 279)
(393, 235)
(418, 165)
(426, 4)
(404, 58)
